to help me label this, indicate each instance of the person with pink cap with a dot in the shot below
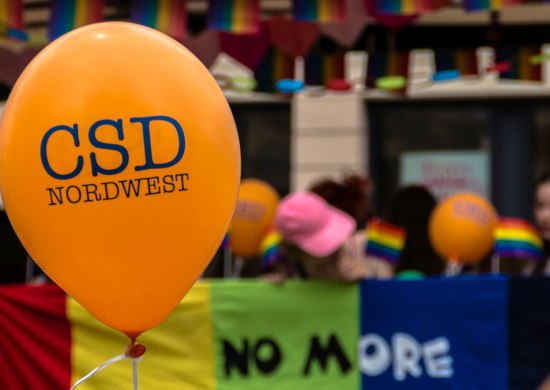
(321, 242)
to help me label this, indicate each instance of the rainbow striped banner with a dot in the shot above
(385, 240)
(382, 64)
(276, 65)
(463, 60)
(483, 5)
(322, 11)
(11, 19)
(517, 238)
(66, 15)
(270, 247)
(168, 16)
(407, 7)
(235, 16)
(522, 67)
(321, 68)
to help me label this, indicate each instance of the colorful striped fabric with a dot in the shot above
(521, 64)
(320, 11)
(383, 64)
(226, 243)
(270, 247)
(235, 16)
(11, 19)
(407, 7)
(276, 65)
(483, 5)
(463, 60)
(168, 16)
(322, 68)
(66, 15)
(385, 240)
(517, 238)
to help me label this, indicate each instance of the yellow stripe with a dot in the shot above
(271, 240)
(4, 13)
(518, 235)
(238, 15)
(80, 13)
(163, 15)
(390, 241)
(323, 9)
(496, 4)
(182, 346)
(407, 6)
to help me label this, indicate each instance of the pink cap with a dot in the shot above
(307, 221)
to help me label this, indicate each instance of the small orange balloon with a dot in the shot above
(461, 228)
(254, 214)
(119, 169)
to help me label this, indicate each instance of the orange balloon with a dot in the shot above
(461, 228)
(119, 169)
(254, 214)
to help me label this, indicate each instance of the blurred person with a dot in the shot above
(319, 241)
(352, 194)
(541, 213)
(410, 208)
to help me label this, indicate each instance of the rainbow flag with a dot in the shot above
(270, 247)
(11, 19)
(521, 64)
(463, 60)
(276, 65)
(517, 238)
(319, 10)
(226, 241)
(168, 16)
(407, 7)
(235, 16)
(483, 5)
(321, 68)
(385, 240)
(382, 64)
(66, 15)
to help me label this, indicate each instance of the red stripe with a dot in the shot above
(35, 336)
(388, 229)
(516, 223)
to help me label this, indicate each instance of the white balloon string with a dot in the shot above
(99, 368)
(135, 372)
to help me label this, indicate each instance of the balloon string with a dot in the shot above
(99, 368)
(135, 372)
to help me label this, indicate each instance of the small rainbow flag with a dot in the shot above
(521, 64)
(407, 7)
(382, 64)
(518, 238)
(226, 243)
(320, 11)
(463, 60)
(66, 15)
(11, 19)
(235, 16)
(168, 16)
(385, 240)
(483, 5)
(276, 65)
(270, 247)
(321, 68)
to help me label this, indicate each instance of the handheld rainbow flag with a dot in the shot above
(483, 5)
(321, 68)
(518, 238)
(320, 11)
(385, 240)
(168, 16)
(235, 16)
(66, 15)
(270, 247)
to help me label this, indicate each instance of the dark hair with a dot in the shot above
(543, 178)
(411, 208)
(351, 195)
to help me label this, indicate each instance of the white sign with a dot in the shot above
(446, 173)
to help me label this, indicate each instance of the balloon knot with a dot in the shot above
(135, 349)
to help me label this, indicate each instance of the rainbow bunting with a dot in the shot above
(407, 7)
(319, 10)
(483, 5)
(66, 15)
(517, 238)
(270, 247)
(168, 16)
(385, 240)
(11, 19)
(463, 60)
(235, 16)
(276, 65)
(382, 64)
(521, 66)
(321, 68)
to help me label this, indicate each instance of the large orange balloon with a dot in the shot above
(253, 216)
(461, 228)
(119, 169)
